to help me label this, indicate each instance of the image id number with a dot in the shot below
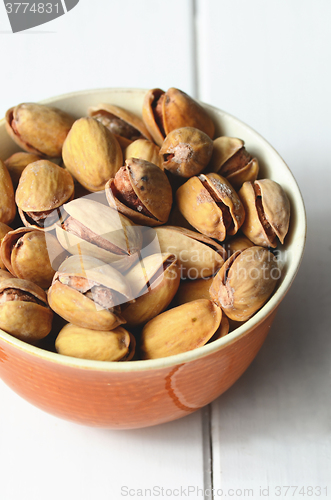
(35, 8)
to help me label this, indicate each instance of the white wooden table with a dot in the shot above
(268, 63)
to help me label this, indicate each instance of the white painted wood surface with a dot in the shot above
(268, 63)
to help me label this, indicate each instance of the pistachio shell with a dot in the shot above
(91, 153)
(167, 111)
(211, 205)
(7, 201)
(145, 150)
(186, 151)
(224, 149)
(5, 275)
(25, 253)
(17, 162)
(22, 318)
(197, 255)
(190, 290)
(42, 188)
(142, 192)
(154, 282)
(237, 242)
(245, 282)
(69, 301)
(267, 212)
(124, 240)
(38, 129)
(180, 329)
(93, 344)
(4, 229)
(126, 126)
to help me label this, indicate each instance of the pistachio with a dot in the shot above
(267, 210)
(222, 330)
(5, 275)
(99, 231)
(154, 281)
(189, 290)
(7, 201)
(126, 126)
(98, 345)
(211, 205)
(186, 151)
(87, 292)
(165, 111)
(141, 191)
(26, 254)
(38, 129)
(197, 255)
(4, 229)
(144, 150)
(42, 190)
(231, 160)
(180, 329)
(24, 312)
(245, 282)
(237, 242)
(91, 153)
(17, 162)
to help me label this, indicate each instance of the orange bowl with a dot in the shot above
(134, 394)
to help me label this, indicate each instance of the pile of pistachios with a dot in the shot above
(141, 238)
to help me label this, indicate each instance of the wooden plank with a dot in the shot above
(265, 62)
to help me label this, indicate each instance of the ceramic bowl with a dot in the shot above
(144, 393)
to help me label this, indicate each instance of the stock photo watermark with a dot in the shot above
(25, 15)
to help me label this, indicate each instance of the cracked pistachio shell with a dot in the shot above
(180, 329)
(126, 126)
(5, 275)
(17, 162)
(142, 192)
(4, 229)
(75, 307)
(7, 200)
(91, 153)
(166, 111)
(186, 151)
(38, 128)
(26, 254)
(144, 150)
(107, 235)
(42, 188)
(154, 282)
(198, 256)
(97, 345)
(211, 205)
(245, 282)
(267, 210)
(237, 242)
(24, 319)
(231, 160)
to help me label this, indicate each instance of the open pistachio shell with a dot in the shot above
(245, 282)
(231, 160)
(211, 205)
(38, 129)
(42, 189)
(166, 111)
(198, 256)
(126, 126)
(24, 312)
(25, 254)
(17, 162)
(145, 150)
(4, 229)
(87, 292)
(98, 345)
(142, 192)
(7, 200)
(267, 210)
(154, 282)
(180, 329)
(91, 153)
(99, 231)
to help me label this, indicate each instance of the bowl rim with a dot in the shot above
(200, 352)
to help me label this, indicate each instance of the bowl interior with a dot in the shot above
(271, 166)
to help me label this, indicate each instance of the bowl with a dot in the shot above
(134, 394)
